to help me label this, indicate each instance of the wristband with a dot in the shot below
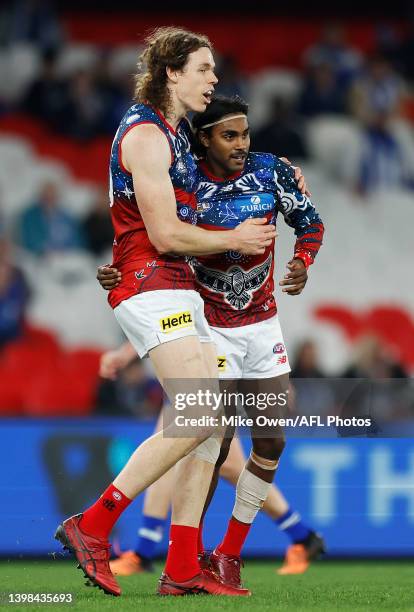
(304, 256)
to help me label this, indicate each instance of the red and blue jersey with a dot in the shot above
(238, 289)
(142, 267)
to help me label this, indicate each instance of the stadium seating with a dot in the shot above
(265, 86)
(354, 226)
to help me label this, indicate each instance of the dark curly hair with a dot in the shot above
(219, 107)
(166, 46)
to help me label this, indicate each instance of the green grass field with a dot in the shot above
(328, 585)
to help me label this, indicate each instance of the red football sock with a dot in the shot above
(235, 537)
(182, 562)
(200, 544)
(99, 519)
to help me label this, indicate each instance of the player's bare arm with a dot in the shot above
(113, 361)
(295, 280)
(146, 154)
(108, 277)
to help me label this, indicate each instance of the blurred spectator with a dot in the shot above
(283, 134)
(374, 394)
(404, 54)
(377, 91)
(372, 360)
(386, 160)
(47, 97)
(14, 295)
(86, 108)
(312, 391)
(33, 21)
(388, 43)
(230, 80)
(306, 363)
(383, 157)
(97, 226)
(332, 50)
(46, 226)
(321, 92)
(132, 393)
(115, 92)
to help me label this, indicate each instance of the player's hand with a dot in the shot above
(295, 280)
(110, 364)
(254, 235)
(299, 178)
(108, 277)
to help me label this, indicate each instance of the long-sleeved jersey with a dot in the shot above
(237, 289)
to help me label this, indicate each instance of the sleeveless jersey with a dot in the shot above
(237, 289)
(142, 267)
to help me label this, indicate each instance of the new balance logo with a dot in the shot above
(109, 505)
(176, 321)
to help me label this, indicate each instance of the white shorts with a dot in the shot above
(154, 317)
(253, 351)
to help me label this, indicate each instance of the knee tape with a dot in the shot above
(251, 493)
(208, 450)
(265, 464)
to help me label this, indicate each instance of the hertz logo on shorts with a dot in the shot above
(221, 363)
(176, 321)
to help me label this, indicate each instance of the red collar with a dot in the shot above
(163, 119)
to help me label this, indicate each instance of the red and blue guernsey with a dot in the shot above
(142, 267)
(237, 289)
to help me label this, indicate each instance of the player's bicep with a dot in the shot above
(147, 153)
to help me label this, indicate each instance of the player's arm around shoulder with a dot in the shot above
(146, 154)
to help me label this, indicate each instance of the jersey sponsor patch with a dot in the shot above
(176, 321)
(221, 363)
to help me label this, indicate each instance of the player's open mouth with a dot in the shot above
(239, 156)
(207, 96)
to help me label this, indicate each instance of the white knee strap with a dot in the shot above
(251, 493)
(264, 464)
(208, 450)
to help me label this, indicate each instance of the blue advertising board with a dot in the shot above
(358, 492)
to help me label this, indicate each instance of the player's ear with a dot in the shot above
(172, 74)
(204, 139)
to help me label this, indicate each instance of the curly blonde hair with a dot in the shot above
(166, 46)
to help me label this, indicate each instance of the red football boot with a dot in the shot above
(204, 560)
(92, 554)
(204, 583)
(227, 567)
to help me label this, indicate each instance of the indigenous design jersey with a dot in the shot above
(142, 267)
(237, 289)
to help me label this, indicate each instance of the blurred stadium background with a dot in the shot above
(331, 91)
